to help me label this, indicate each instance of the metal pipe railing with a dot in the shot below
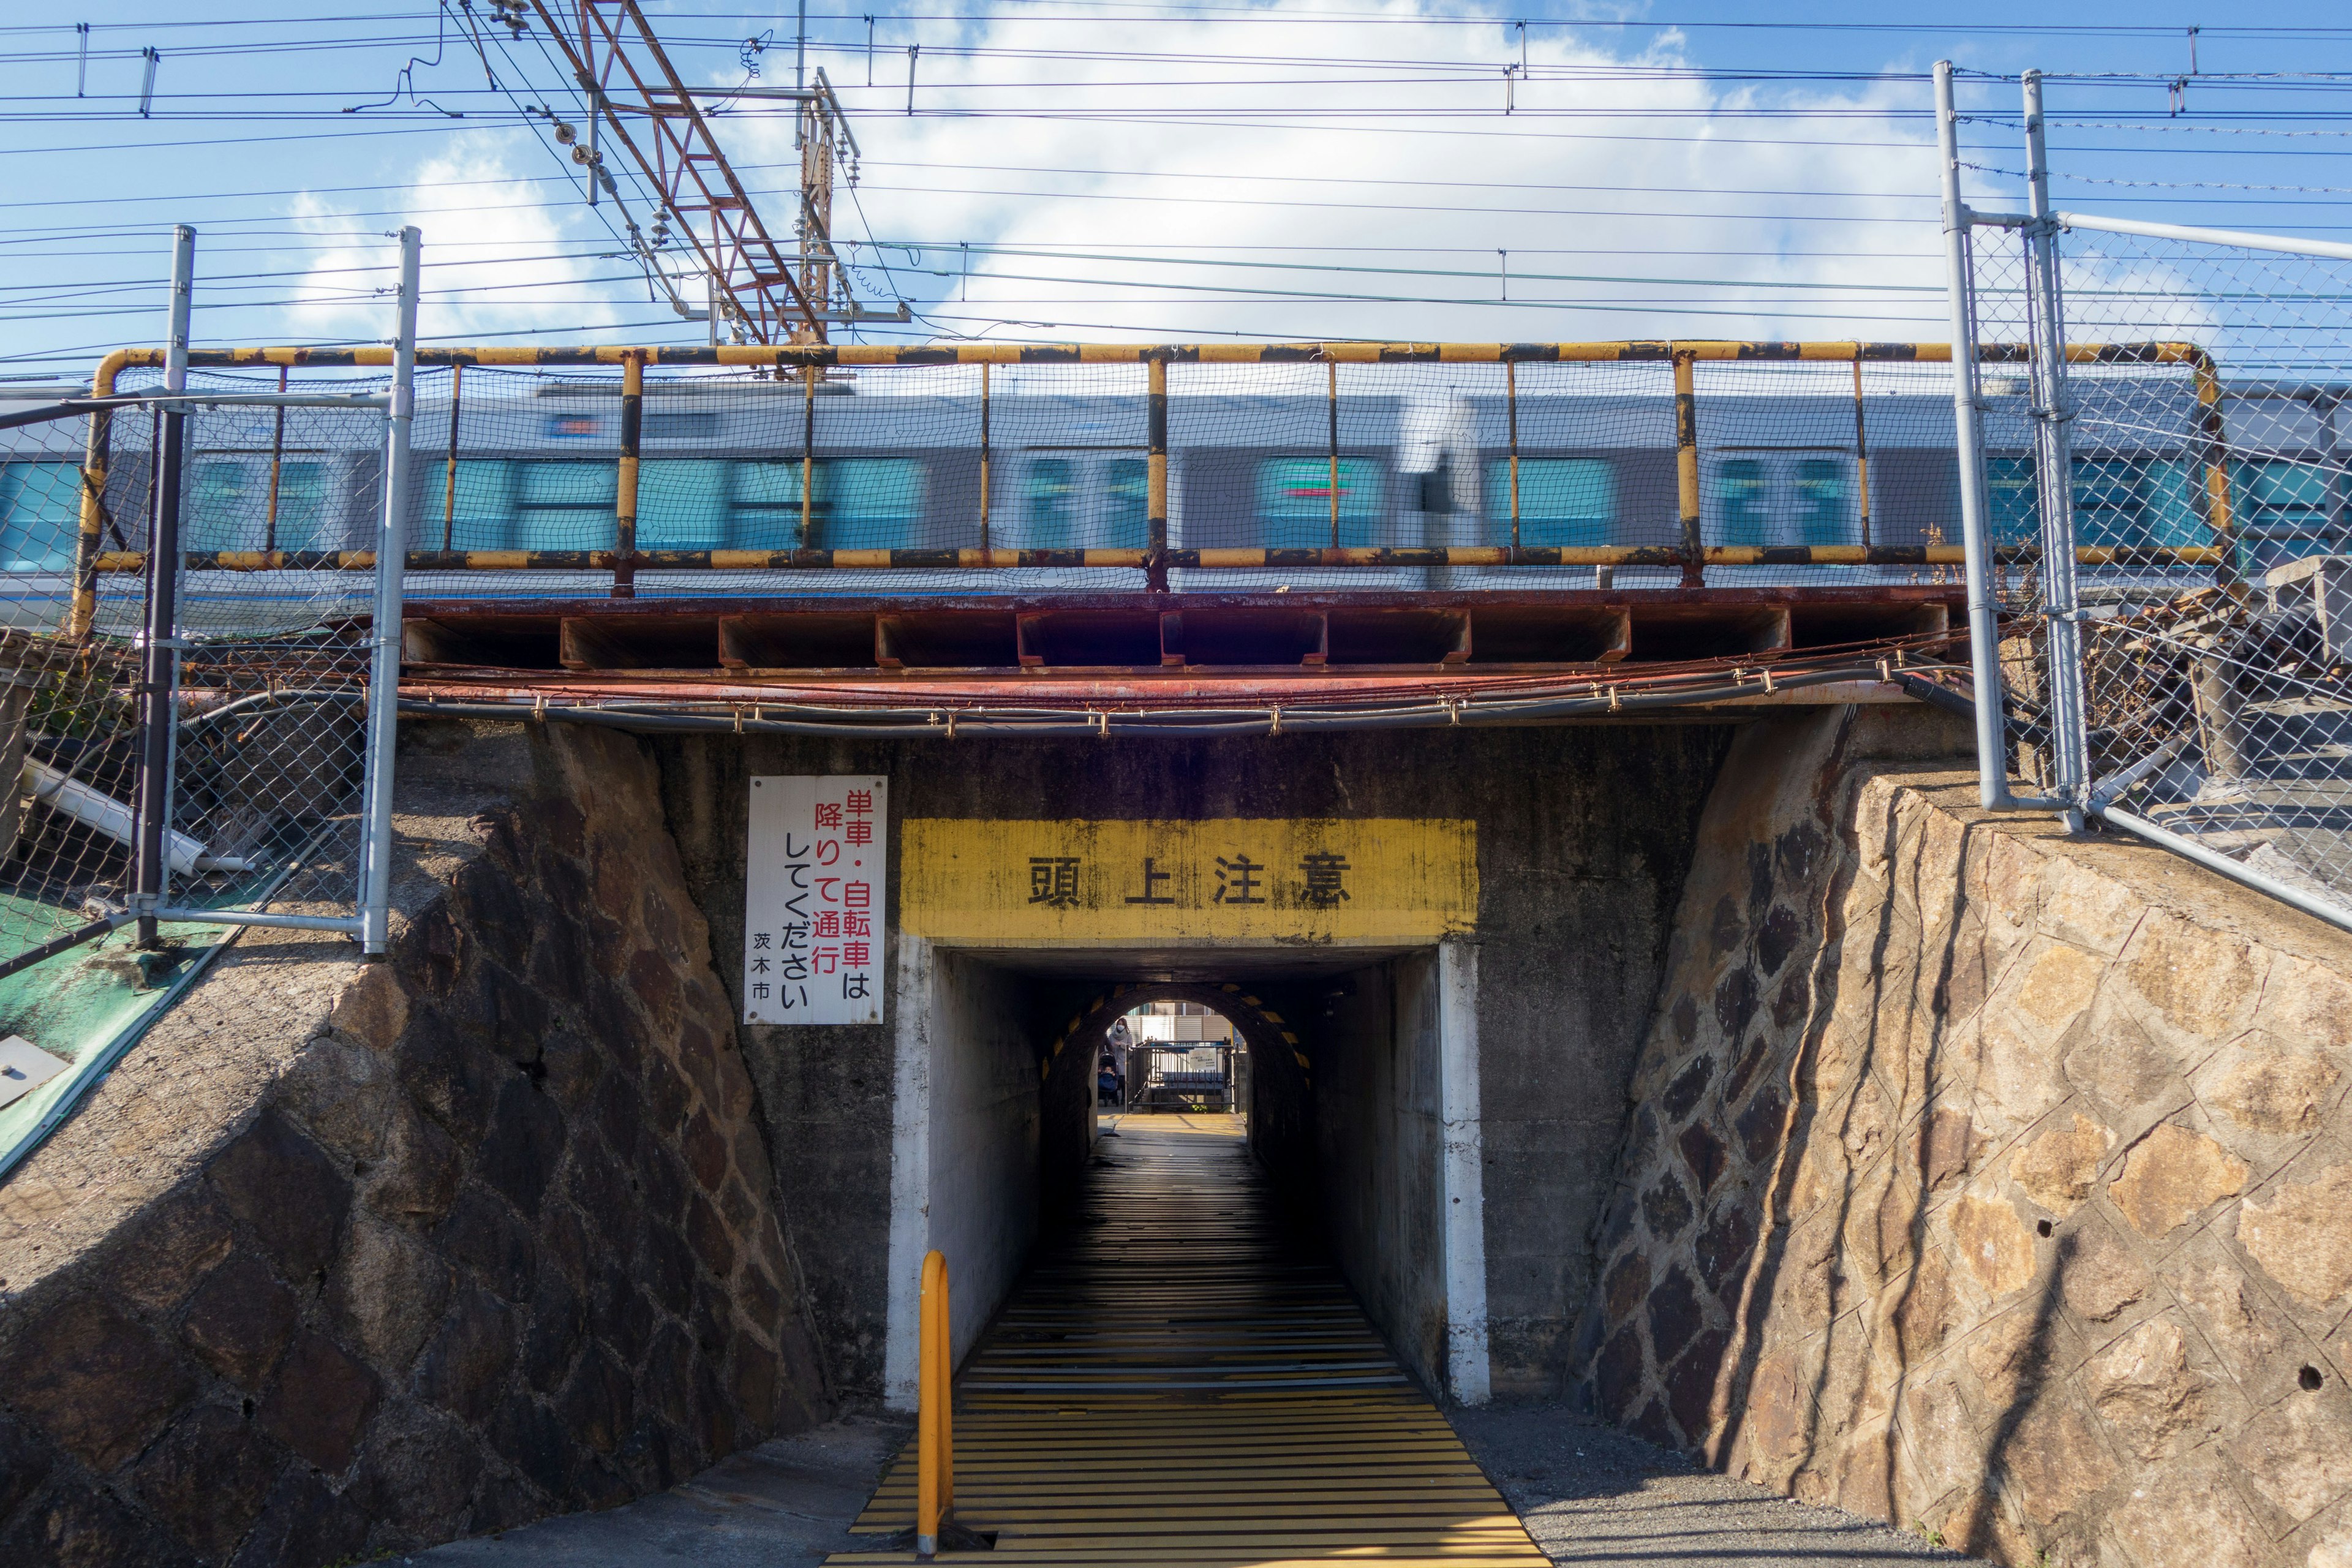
(1687, 502)
(624, 560)
(1239, 558)
(625, 487)
(1155, 478)
(449, 481)
(795, 357)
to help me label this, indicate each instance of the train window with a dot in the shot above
(2282, 507)
(1820, 500)
(683, 505)
(2014, 501)
(480, 513)
(1074, 503)
(1294, 501)
(1129, 517)
(565, 506)
(696, 427)
(2134, 503)
(2123, 503)
(764, 512)
(1049, 504)
(1783, 499)
(867, 503)
(1562, 500)
(229, 507)
(40, 514)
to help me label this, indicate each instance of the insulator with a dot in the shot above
(566, 134)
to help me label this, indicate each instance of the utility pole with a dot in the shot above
(765, 293)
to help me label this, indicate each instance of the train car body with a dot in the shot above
(859, 463)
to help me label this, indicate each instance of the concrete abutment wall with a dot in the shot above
(1796, 1113)
(478, 1234)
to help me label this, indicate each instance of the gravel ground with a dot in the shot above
(1597, 1497)
(783, 1504)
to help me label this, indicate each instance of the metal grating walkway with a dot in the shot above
(1174, 1383)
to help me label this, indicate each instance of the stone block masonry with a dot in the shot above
(494, 1238)
(1986, 1181)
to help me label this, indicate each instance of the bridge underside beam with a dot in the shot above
(1157, 639)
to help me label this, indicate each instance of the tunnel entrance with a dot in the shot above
(1345, 1078)
(1181, 1376)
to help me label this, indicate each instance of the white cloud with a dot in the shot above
(1655, 179)
(493, 246)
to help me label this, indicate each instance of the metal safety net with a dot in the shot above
(1443, 466)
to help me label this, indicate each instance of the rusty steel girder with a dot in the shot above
(616, 58)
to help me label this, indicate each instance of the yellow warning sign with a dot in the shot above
(1351, 882)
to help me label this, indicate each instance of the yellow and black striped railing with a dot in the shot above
(807, 363)
(1231, 559)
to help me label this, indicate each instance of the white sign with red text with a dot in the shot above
(813, 894)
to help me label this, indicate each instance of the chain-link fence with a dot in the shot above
(187, 740)
(2175, 515)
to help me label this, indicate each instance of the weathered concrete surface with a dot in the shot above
(1583, 836)
(1599, 1497)
(1989, 1179)
(785, 1504)
(1379, 1144)
(348, 1258)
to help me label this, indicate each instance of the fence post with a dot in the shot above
(449, 478)
(1333, 404)
(625, 487)
(1860, 450)
(1511, 403)
(159, 678)
(277, 465)
(383, 626)
(1968, 437)
(1155, 560)
(1686, 467)
(809, 372)
(2054, 468)
(90, 535)
(2214, 439)
(934, 1416)
(984, 411)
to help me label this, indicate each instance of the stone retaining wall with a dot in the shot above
(497, 1241)
(2046, 1145)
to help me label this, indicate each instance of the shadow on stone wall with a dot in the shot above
(500, 1243)
(1993, 1182)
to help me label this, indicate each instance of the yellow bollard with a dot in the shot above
(934, 1414)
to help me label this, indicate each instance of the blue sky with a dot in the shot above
(1157, 170)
